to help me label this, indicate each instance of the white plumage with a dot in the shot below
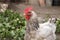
(46, 31)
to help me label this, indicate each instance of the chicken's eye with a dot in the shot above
(29, 14)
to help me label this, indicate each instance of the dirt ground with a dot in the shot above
(58, 36)
(41, 11)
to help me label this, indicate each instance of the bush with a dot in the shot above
(58, 26)
(11, 26)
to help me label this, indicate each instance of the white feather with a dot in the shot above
(33, 15)
(47, 30)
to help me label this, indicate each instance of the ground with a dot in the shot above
(58, 36)
(41, 11)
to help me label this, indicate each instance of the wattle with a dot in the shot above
(27, 17)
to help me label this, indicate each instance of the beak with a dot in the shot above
(24, 14)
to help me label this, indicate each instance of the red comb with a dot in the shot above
(27, 9)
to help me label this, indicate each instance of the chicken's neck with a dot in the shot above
(32, 25)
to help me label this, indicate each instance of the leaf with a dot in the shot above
(12, 25)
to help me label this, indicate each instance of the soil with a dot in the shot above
(58, 36)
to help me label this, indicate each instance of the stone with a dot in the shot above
(3, 7)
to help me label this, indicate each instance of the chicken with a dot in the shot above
(36, 31)
(32, 24)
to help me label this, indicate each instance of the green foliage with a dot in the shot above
(11, 26)
(58, 26)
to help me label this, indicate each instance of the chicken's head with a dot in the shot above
(28, 13)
